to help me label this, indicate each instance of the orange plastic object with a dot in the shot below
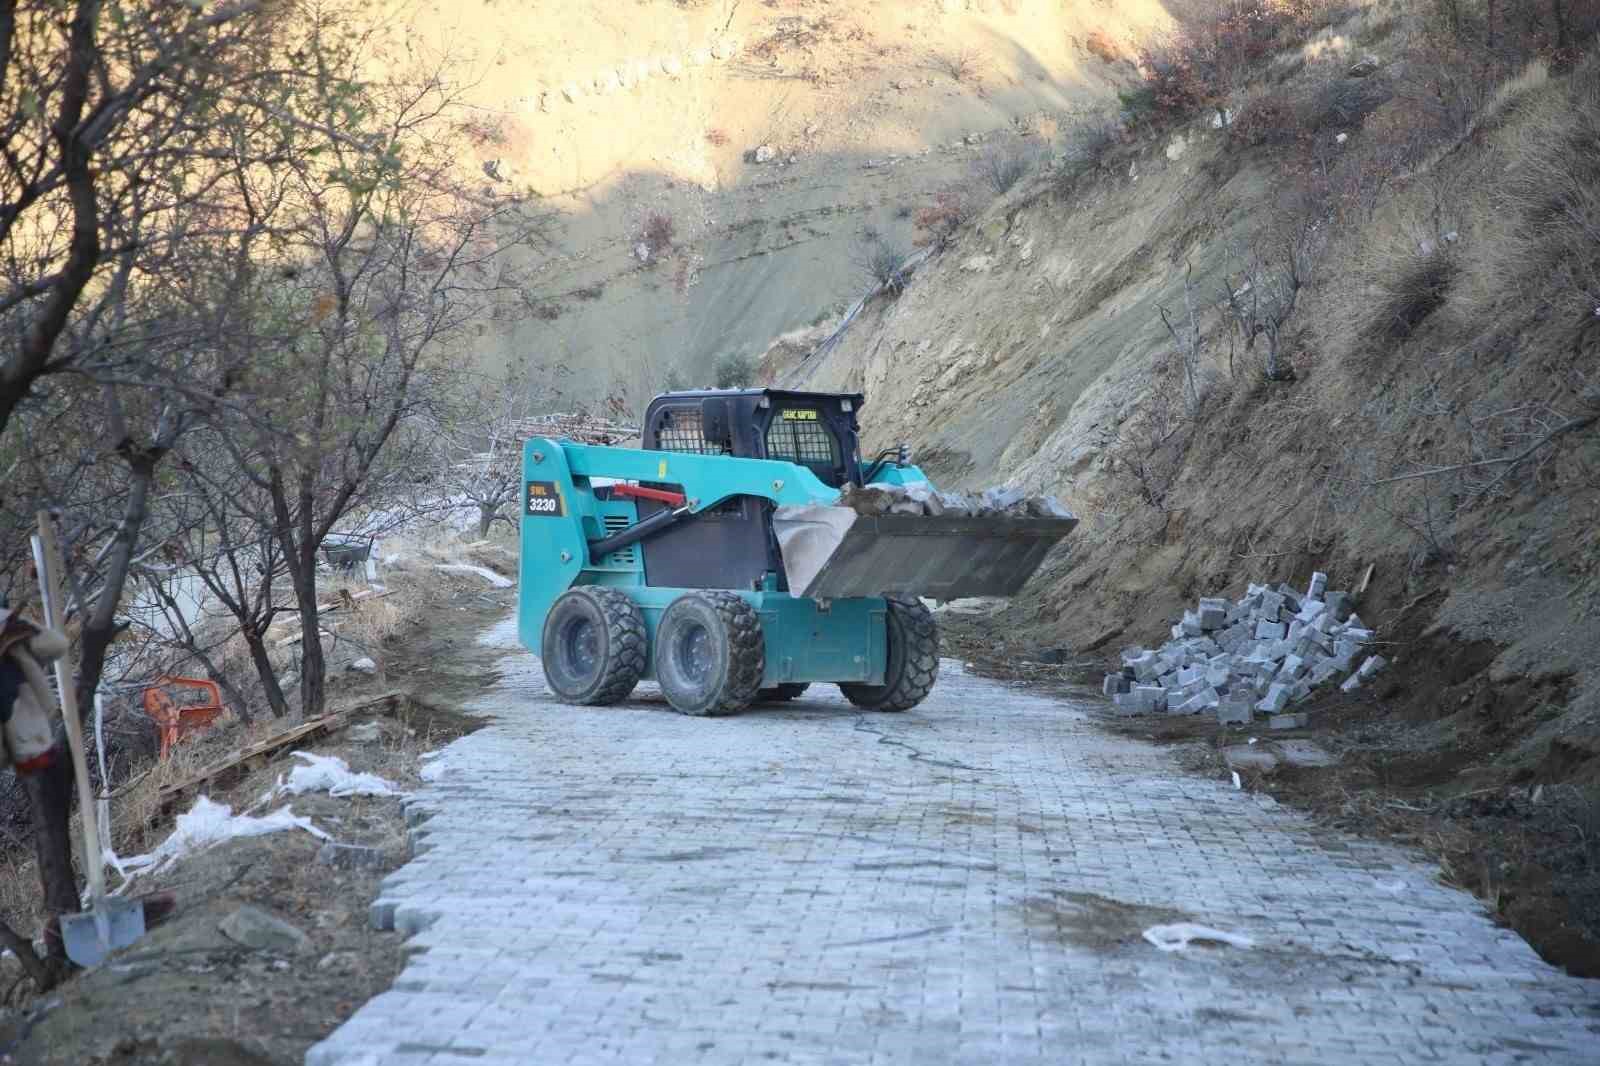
(176, 720)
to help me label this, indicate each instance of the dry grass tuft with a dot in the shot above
(962, 65)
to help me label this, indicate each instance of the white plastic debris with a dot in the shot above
(1180, 935)
(207, 824)
(331, 774)
(484, 572)
(1238, 783)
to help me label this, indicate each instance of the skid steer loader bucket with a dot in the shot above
(832, 552)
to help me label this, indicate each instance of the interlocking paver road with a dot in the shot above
(965, 883)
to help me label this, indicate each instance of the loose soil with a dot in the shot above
(185, 994)
(1421, 759)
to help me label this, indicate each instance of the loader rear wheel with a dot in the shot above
(783, 692)
(710, 653)
(593, 645)
(913, 660)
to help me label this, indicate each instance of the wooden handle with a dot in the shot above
(50, 588)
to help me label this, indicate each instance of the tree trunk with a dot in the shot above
(486, 516)
(269, 678)
(313, 664)
(50, 803)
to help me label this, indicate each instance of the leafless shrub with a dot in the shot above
(1087, 143)
(962, 65)
(1189, 343)
(1260, 298)
(1340, 102)
(1001, 165)
(1147, 453)
(656, 234)
(878, 261)
(952, 207)
(735, 370)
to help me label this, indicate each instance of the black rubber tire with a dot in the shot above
(593, 645)
(913, 660)
(710, 653)
(783, 692)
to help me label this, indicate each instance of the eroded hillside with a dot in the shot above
(639, 125)
(1431, 431)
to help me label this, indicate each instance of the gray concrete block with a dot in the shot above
(381, 914)
(1270, 630)
(1324, 671)
(1152, 698)
(1114, 684)
(1340, 604)
(1319, 585)
(1276, 699)
(1368, 668)
(1234, 712)
(1298, 720)
(1147, 666)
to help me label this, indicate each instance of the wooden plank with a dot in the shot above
(1366, 579)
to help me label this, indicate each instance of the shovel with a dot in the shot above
(109, 924)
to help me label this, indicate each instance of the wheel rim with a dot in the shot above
(695, 653)
(580, 645)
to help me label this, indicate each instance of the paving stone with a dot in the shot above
(1271, 630)
(1340, 604)
(1289, 721)
(809, 884)
(1234, 711)
(1276, 699)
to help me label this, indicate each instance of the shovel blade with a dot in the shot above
(110, 925)
(832, 552)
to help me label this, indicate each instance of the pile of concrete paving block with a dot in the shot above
(1263, 654)
(920, 498)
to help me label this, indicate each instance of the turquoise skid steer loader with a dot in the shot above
(716, 561)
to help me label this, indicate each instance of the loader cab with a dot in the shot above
(816, 430)
(733, 545)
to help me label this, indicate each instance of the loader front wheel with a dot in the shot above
(913, 660)
(710, 653)
(593, 645)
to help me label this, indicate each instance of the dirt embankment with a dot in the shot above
(708, 169)
(1442, 329)
(188, 993)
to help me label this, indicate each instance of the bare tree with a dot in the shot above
(1260, 303)
(479, 448)
(393, 257)
(1189, 342)
(139, 145)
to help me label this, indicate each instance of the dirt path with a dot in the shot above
(967, 882)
